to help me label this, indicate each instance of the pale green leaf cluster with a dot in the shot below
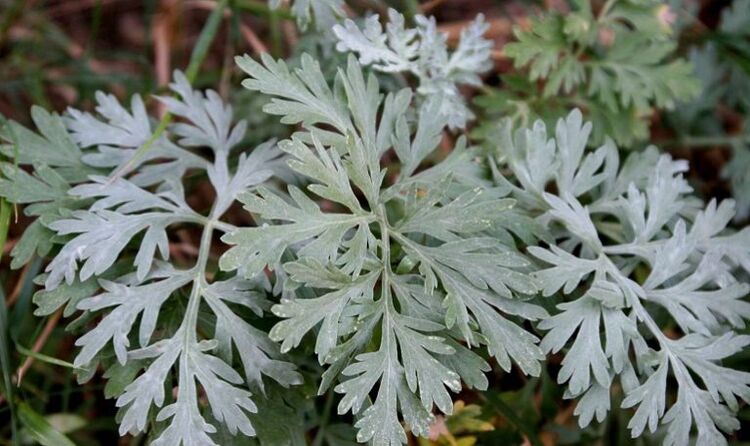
(114, 258)
(629, 243)
(324, 13)
(422, 51)
(404, 260)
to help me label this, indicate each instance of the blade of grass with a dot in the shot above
(44, 358)
(411, 9)
(262, 9)
(275, 25)
(40, 429)
(96, 21)
(325, 417)
(6, 367)
(5, 211)
(39, 344)
(12, 14)
(206, 37)
(20, 298)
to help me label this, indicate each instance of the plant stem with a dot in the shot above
(5, 369)
(206, 37)
(12, 14)
(411, 9)
(605, 9)
(707, 141)
(38, 346)
(275, 26)
(258, 8)
(4, 224)
(319, 436)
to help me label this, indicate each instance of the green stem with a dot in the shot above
(208, 33)
(9, 18)
(319, 436)
(262, 9)
(274, 25)
(190, 321)
(605, 9)
(411, 9)
(188, 329)
(6, 389)
(707, 141)
(196, 60)
(96, 21)
(5, 211)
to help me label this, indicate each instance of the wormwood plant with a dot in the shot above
(151, 307)
(405, 273)
(628, 247)
(422, 51)
(397, 262)
(410, 262)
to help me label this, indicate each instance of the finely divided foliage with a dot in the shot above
(629, 242)
(403, 256)
(402, 270)
(630, 70)
(110, 216)
(617, 61)
(326, 12)
(422, 51)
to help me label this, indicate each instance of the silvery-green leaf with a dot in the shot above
(146, 390)
(256, 248)
(593, 403)
(101, 237)
(259, 356)
(129, 302)
(413, 261)
(647, 244)
(586, 355)
(422, 51)
(210, 119)
(306, 97)
(324, 12)
(469, 213)
(301, 315)
(149, 199)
